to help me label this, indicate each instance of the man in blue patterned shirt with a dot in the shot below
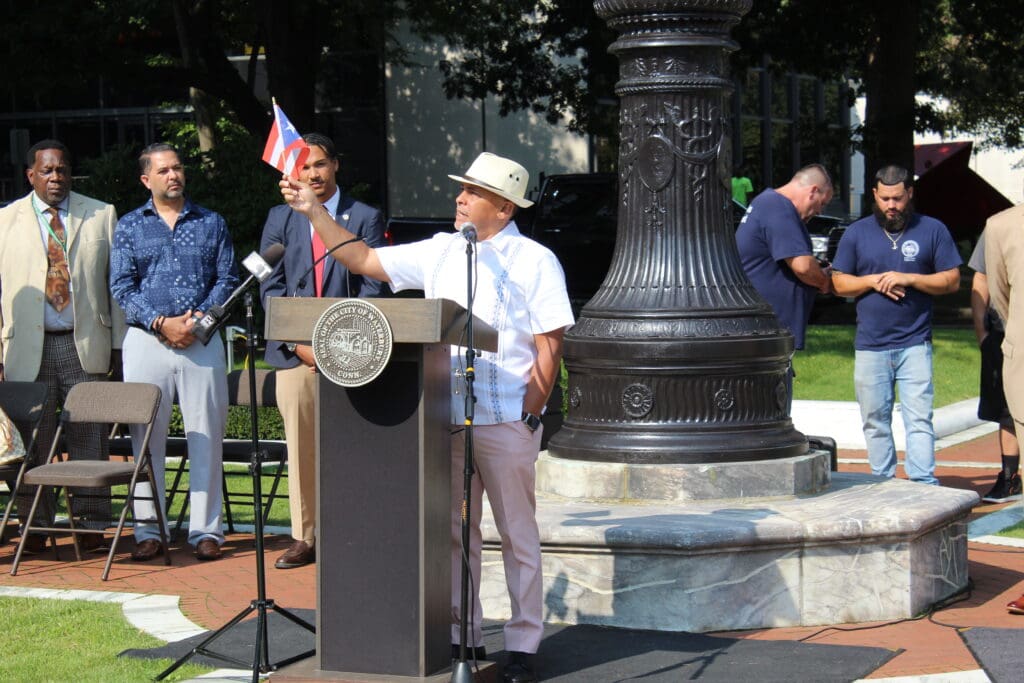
(171, 259)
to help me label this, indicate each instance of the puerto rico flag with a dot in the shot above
(286, 151)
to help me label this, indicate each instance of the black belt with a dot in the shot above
(59, 333)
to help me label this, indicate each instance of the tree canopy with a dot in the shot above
(963, 53)
(549, 56)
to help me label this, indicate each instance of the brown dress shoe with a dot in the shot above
(35, 545)
(88, 543)
(207, 549)
(1017, 606)
(147, 550)
(299, 554)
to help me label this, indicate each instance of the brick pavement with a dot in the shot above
(213, 592)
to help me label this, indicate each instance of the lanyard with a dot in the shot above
(49, 228)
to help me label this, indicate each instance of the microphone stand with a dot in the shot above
(261, 656)
(462, 671)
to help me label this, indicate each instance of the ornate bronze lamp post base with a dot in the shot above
(676, 359)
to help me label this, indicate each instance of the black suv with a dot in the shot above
(576, 216)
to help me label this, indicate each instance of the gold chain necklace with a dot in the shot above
(892, 239)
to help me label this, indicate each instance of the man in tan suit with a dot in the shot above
(59, 323)
(1004, 266)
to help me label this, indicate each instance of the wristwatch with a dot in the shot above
(290, 346)
(531, 421)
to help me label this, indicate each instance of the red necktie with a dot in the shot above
(319, 249)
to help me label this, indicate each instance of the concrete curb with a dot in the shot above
(844, 424)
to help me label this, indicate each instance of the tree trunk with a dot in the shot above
(201, 102)
(293, 60)
(890, 90)
(211, 73)
(206, 129)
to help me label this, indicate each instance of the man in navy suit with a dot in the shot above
(298, 276)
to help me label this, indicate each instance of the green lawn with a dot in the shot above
(824, 369)
(1015, 531)
(242, 510)
(238, 480)
(72, 640)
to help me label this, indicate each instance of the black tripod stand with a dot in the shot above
(261, 656)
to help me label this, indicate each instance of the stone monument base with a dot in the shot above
(865, 549)
(680, 483)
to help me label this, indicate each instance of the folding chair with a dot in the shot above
(23, 403)
(103, 402)
(238, 450)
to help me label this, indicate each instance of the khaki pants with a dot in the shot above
(505, 456)
(296, 399)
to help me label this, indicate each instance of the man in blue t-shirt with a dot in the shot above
(894, 262)
(775, 247)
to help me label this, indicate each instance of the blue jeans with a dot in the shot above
(876, 375)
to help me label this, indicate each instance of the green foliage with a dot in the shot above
(231, 179)
(1014, 531)
(72, 640)
(113, 177)
(239, 423)
(824, 370)
(239, 482)
(966, 52)
(557, 65)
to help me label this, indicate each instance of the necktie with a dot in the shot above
(319, 249)
(58, 277)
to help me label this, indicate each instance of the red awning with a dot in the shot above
(949, 190)
(927, 157)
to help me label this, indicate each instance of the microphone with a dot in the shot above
(260, 266)
(302, 280)
(468, 231)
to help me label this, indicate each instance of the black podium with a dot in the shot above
(384, 495)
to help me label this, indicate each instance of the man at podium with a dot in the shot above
(521, 293)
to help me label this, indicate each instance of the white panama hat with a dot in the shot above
(502, 176)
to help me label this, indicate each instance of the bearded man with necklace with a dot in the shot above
(894, 262)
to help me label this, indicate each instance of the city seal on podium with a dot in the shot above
(352, 342)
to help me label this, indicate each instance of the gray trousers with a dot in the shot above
(60, 370)
(197, 377)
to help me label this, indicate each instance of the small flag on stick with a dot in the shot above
(286, 150)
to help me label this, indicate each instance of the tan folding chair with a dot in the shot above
(23, 403)
(99, 402)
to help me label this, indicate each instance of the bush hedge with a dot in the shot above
(268, 419)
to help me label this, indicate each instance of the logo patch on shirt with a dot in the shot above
(910, 250)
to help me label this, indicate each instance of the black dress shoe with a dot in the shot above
(147, 550)
(478, 653)
(299, 554)
(519, 668)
